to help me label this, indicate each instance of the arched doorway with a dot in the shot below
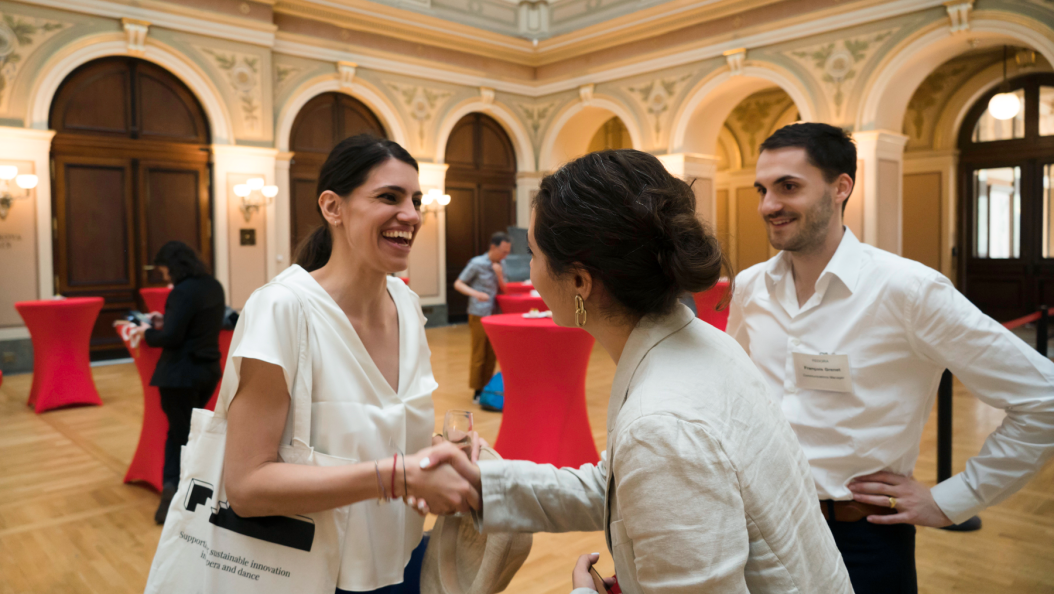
(320, 125)
(612, 135)
(131, 171)
(481, 183)
(1007, 202)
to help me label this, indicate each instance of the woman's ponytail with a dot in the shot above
(313, 252)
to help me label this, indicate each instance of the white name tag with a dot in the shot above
(823, 372)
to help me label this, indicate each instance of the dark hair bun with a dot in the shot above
(625, 219)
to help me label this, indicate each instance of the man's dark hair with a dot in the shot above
(829, 148)
(499, 238)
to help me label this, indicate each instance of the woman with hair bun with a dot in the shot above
(703, 487)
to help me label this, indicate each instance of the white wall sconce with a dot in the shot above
(8, 194)
(254, 194)
(434, 201)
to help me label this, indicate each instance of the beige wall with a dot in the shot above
(922, 218)
(18, 252)
(752, 242)
(248, 264)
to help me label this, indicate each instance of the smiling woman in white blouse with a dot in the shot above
(371, 379)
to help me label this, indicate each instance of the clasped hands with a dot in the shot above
(444, 478)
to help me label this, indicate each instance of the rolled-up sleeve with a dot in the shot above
(1002, 371)
(681, 507)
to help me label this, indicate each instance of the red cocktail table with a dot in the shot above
(706, 304)
(544, 368)
(149, 459)
(518, 288)
(524, 303)
(61, 333)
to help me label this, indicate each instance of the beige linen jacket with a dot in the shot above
(703, 487)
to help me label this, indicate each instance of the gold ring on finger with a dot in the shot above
(893, 502)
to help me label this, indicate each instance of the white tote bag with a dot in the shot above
(206, 548)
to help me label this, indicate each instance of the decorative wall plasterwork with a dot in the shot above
(925, 104)
(754, 119)
(283, 75)
(19, 36)
(242, 72)
(656, 96)
(836, 63)
(420, 103)
(536, 115)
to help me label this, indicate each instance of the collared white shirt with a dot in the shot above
(901, 324)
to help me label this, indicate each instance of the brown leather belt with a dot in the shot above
(852, 511)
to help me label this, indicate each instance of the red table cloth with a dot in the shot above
(149, 459)
(518, 304)
(155, 298)
(544, 368)
(60, 330)
(518, 288)
(706, 304)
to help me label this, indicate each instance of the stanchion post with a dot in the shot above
(1042, 330)
(944, 445)
(944, 427)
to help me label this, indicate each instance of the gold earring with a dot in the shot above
(580, 311)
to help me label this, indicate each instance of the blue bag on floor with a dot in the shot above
(493, 396)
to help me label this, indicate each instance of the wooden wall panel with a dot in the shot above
(922, 218)
(97, 208)
(752, 241)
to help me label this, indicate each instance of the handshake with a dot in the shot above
(444, 478)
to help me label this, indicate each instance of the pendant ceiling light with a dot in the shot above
(1005, 105)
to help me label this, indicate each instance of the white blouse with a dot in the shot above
(355, 414)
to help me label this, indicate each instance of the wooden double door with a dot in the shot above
(1007, 204)
(130, 167)
(481, 182)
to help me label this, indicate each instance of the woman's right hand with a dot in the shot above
(442, 487)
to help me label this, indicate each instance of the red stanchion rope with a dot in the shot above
(1032, 317)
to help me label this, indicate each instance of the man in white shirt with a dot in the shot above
(853, 340)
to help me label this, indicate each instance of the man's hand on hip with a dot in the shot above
(912, 500)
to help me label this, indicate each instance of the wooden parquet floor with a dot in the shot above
(68, 524)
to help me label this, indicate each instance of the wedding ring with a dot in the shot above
(893, 502)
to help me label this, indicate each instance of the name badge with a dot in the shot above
(823, 372)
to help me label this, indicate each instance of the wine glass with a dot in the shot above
(457, 427)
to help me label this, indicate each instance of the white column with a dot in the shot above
(283, 204)
(698, 170)
(527, 184)
(242, 269)
(28, 263)
(880, 183)
(428, 258)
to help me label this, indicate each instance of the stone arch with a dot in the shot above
(359, 89)
(575, 125)
(69, 58)
(713, 99)
(521, 140)
(887, 93)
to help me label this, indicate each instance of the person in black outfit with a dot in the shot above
(189, 367)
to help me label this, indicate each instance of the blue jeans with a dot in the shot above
(411, 575)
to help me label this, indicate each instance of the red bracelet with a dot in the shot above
(395, 459)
